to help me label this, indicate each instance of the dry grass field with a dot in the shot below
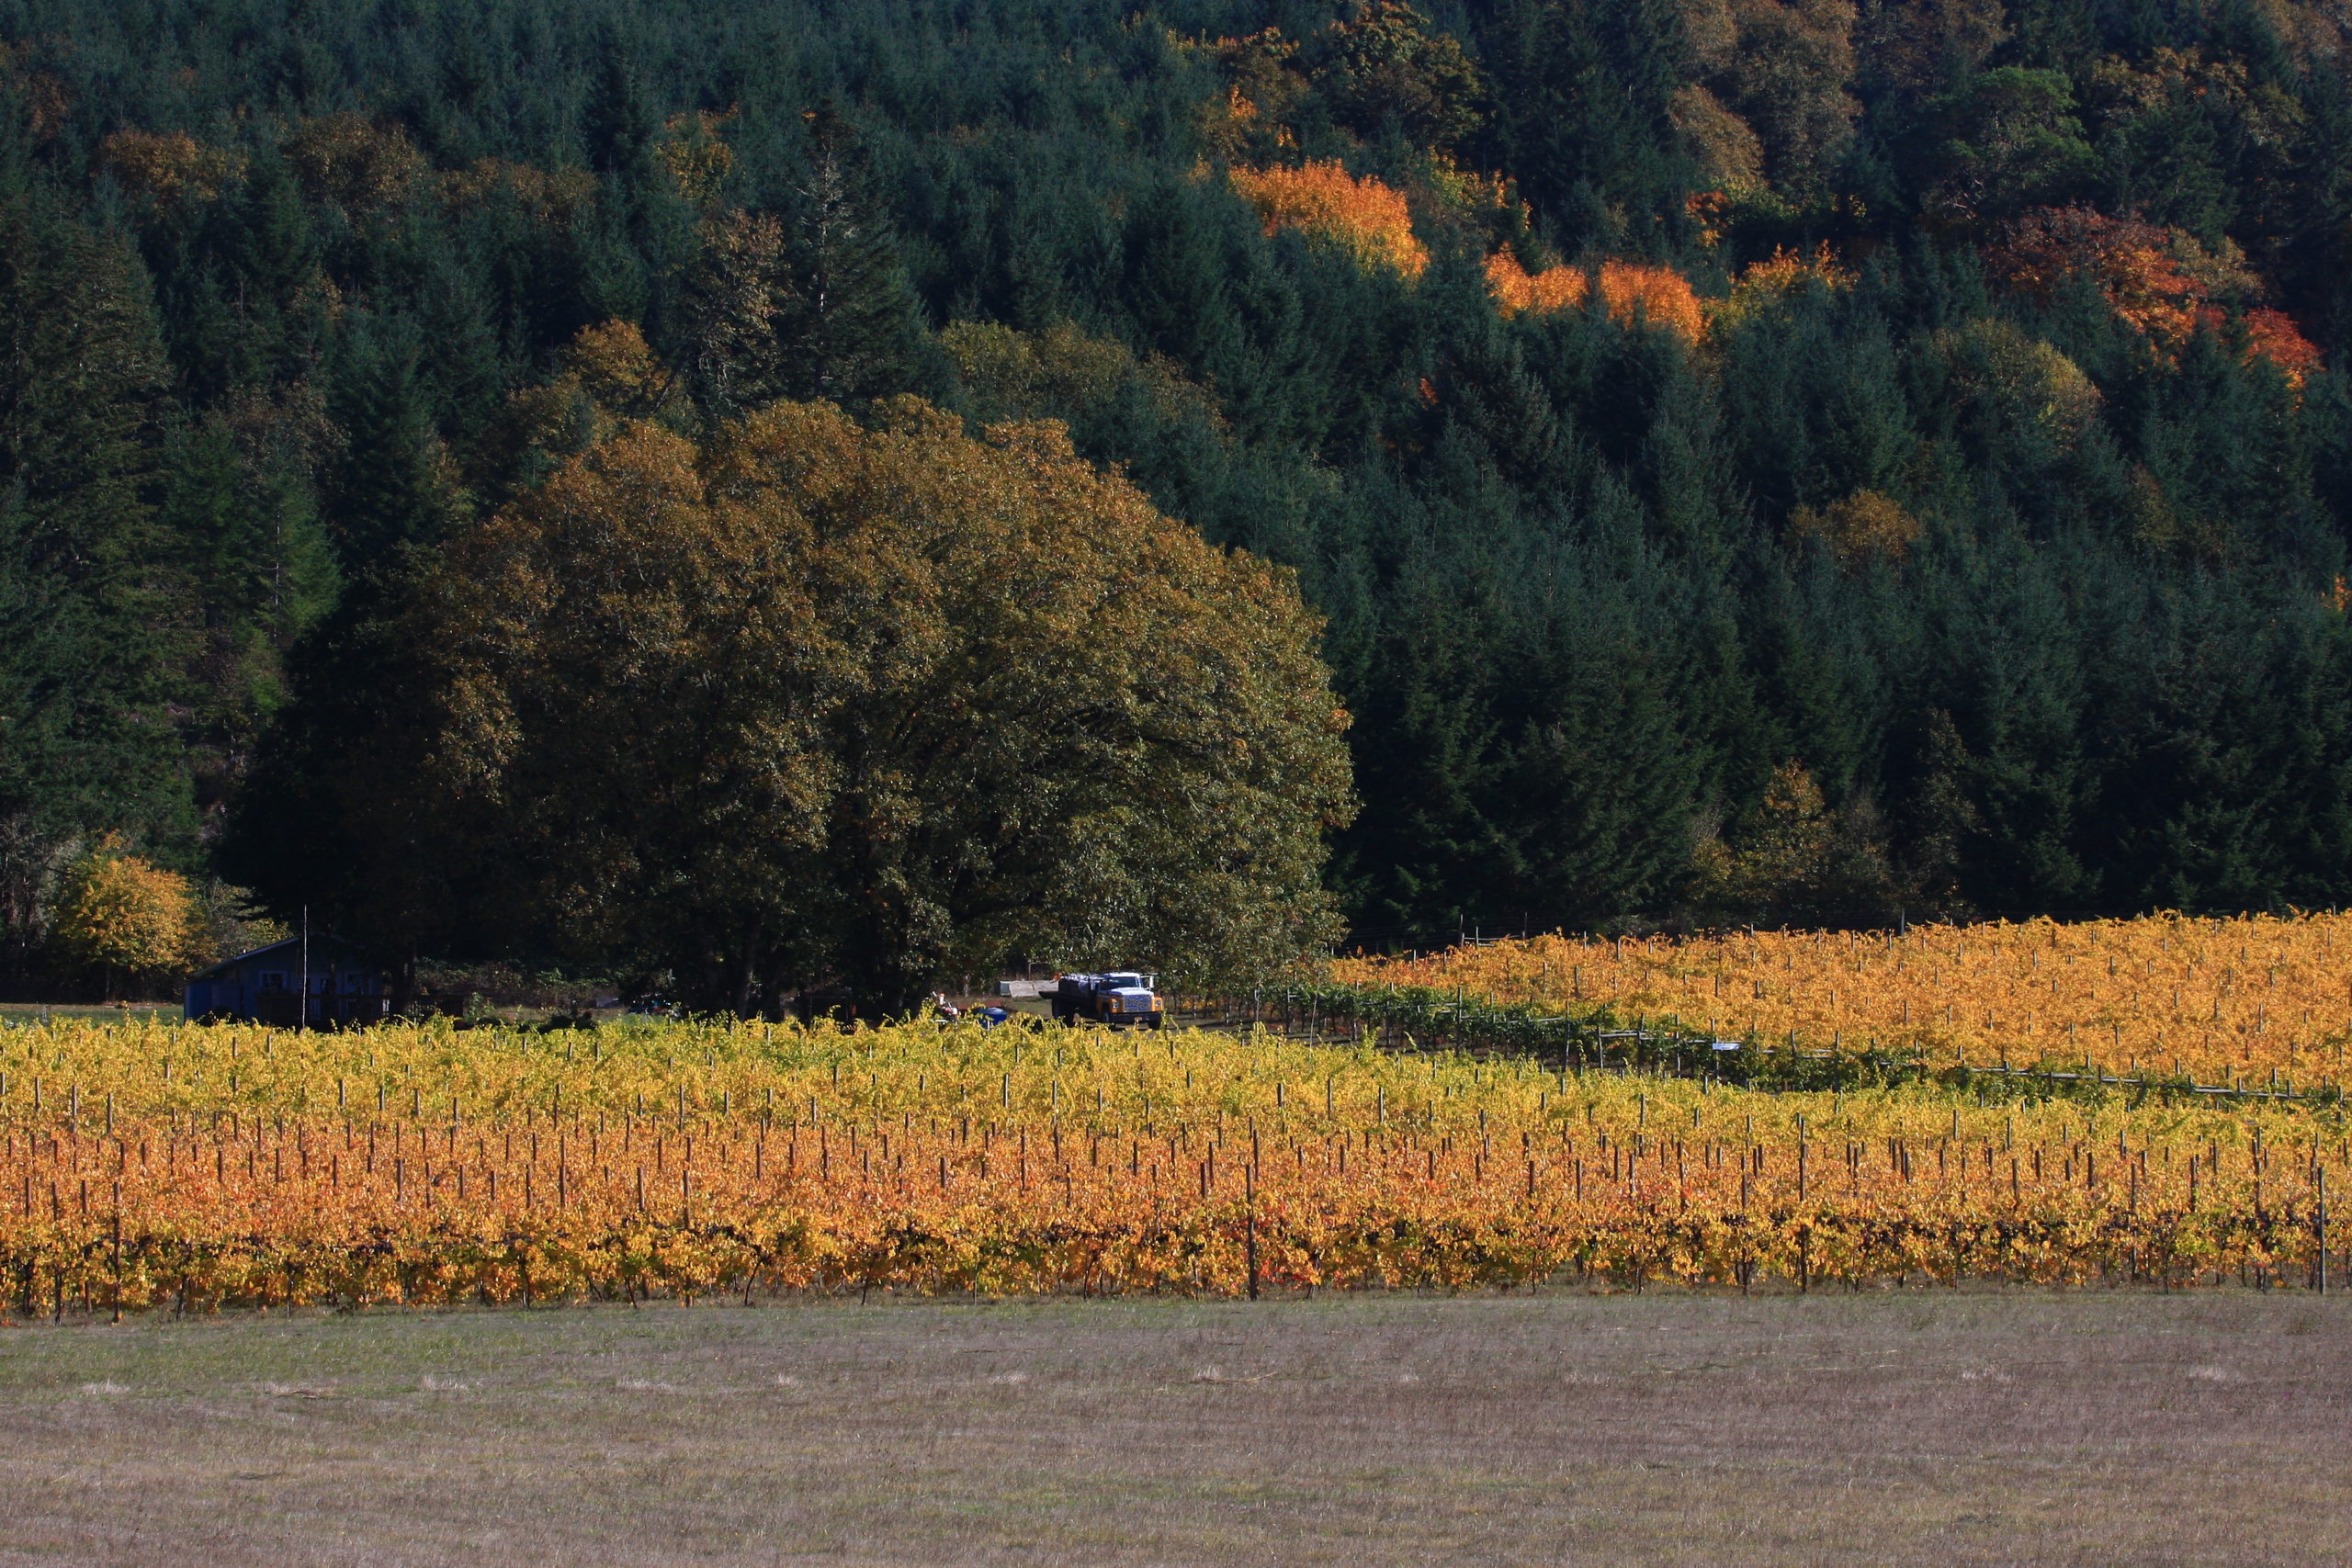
(1888, 1427)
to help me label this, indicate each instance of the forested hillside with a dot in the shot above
(1755, 460)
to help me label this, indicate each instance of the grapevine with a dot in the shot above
(146, 1165)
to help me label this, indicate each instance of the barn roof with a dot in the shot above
(324, 947)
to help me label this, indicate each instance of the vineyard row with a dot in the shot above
(341, 1211)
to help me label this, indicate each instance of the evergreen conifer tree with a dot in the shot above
(848, 326)
(390, 499)
(89, 649)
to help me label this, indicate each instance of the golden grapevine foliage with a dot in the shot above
(147, 1165)
(2229, 1001)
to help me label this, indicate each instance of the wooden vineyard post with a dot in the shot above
(1804, 1232)
(1250, 1225)
(2321, 1283)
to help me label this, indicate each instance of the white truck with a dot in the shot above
(1125, 998)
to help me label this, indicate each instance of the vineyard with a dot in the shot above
(149, 1167)
(2259, 1001)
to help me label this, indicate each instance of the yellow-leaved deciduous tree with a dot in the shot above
(1859, 528)
(364, 164)
(170, 167)
(128, 920)
(1795, 858)
(811, 700)
(607, 373)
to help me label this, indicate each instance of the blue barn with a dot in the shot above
(263, 985)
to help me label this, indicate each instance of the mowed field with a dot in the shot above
(1887, 1427)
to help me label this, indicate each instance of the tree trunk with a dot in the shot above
(746, 968)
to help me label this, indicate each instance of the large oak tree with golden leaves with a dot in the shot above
(809, 700)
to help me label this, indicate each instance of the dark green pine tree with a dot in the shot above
(333, 818)
(1581, 93)
(849, 328)
(618, 126)
(241, 298)
(389, 499)
(1418, 861)
(1597, 788)
(257, 570)
(89, 645)
(465, 376)
(2007, 667)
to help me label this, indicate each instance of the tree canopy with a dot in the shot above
(1659, 402)
(124, 917)
(808, 698)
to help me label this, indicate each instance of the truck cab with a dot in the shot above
(1123, 998)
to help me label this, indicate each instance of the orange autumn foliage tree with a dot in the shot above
(553, 197)
(1517, 289)
(1864, 526)
(2159, 282)
(1659, 295)
(1768, 287)
(1785, 270)
(1364, 216)
(2273, 336)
